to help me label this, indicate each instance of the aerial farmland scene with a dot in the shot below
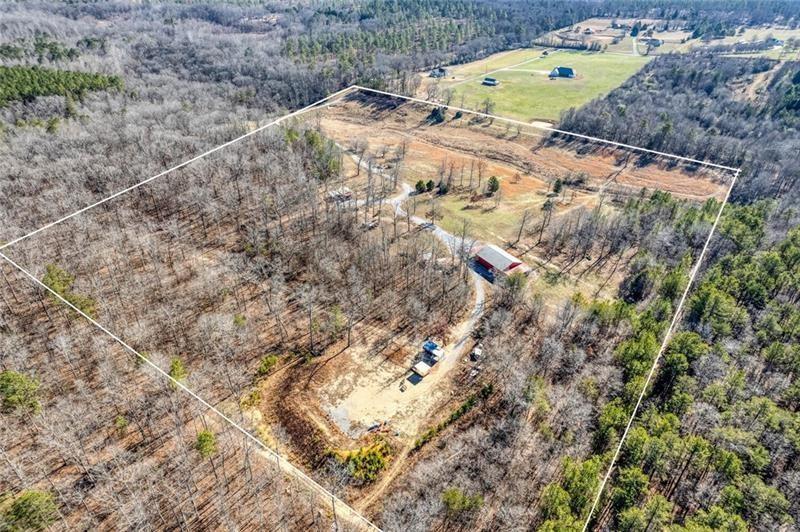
(408, 265)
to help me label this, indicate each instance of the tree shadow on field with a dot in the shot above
(377, 104)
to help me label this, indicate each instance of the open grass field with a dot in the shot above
(494, 62)
(498, 220)
(525, 91)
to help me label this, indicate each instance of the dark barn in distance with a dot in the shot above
(562, 72)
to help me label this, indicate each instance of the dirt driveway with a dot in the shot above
(385, 392)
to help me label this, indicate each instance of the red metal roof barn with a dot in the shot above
(492, 257)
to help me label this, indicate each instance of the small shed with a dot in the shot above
(562, 72)
(499, 260)
(491, 82)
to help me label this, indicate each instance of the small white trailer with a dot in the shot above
(421, 369)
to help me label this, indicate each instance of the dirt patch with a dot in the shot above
(751, 89)
(457, 144)
(351, 392)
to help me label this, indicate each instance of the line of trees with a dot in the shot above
(720, 434)
(27, 83)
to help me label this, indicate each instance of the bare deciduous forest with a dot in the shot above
(275, 276)
(114, 447)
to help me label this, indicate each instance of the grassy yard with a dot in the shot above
(487, 221)
(493, 62)
(526, 93)
(495, 221)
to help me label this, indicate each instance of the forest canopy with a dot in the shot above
(26, 83)
(273, 278)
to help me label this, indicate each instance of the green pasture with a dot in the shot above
(526, 93)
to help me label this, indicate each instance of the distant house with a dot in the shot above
(562, 72)
(499, 261)
(492, 82)
(438, 72)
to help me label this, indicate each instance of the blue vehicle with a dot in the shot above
(429, 346)
(433, 349)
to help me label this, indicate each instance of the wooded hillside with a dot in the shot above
(248, 263)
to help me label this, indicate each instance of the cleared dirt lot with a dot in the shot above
(507, 152)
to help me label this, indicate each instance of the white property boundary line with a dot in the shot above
(288, 467)
(327, 101)
(550, 129)
(667, 337)
(686, 290)
(291, 469)
(181, 165)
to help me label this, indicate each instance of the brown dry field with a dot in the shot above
(506, 152)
